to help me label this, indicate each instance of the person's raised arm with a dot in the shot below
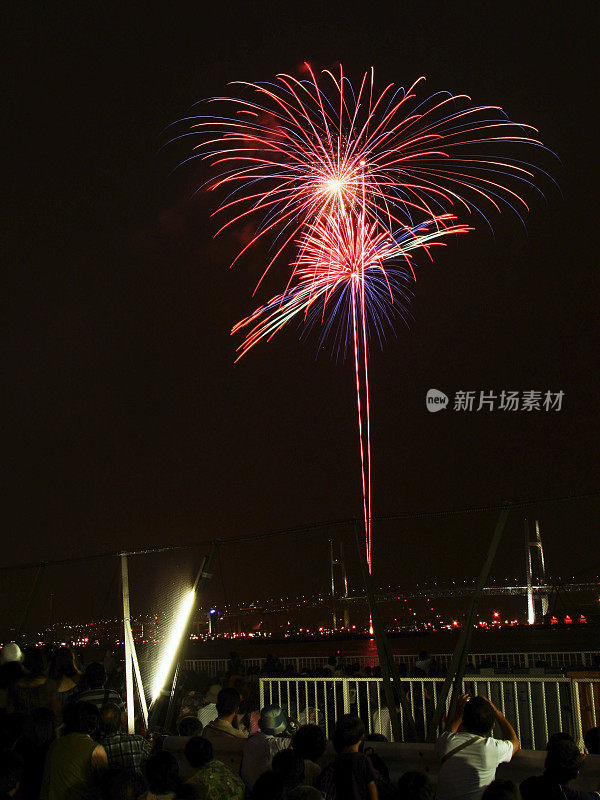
(372, 789)
(507, 730)
(454, 723)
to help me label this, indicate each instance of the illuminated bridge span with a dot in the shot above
(467, 591)
(537, 588)
(429, 593)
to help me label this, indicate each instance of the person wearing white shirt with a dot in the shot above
(208, 712)
(469, 756)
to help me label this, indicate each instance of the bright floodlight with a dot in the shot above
(179, 625)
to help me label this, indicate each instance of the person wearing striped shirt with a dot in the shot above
(96, 691)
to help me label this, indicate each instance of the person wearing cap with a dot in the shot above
(208, 712)
(11, 671)
(260, 748)
(11, 652)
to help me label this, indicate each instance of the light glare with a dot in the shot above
(173, 641)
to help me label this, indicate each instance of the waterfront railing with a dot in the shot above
(536, 706)
(574, 659)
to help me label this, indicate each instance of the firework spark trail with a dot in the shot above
(348, 257)
(323, 272)
(364, 468)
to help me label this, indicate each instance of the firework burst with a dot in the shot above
(304, 150)
(354, 180)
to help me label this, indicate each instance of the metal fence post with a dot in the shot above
(346, 695)
(577, 727)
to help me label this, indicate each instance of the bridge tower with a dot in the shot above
(537, 602)
(338, 561)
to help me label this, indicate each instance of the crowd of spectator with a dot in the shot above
(63, 737)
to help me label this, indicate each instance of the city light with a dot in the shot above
(170, 650)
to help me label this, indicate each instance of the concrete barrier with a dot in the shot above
(403, 756)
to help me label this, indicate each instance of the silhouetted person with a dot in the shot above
(290, 767)
(423, 663)
(189, 726)
(127, 750)
(11, 772)
(351, 776)
(11, 673)
(591, 740)
(72, 759)
(269, 787)
(415, 785)
(502, 790)
(96, 690)
(32, 747)
(310, 743)
(227, 741)
(35, 689)
(64, 670)
(562, 765)
(162, 777)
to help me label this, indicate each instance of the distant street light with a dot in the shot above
(211, 614)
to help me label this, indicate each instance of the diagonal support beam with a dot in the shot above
(138, 675)
(128, 640)
(456, 670)
(392, 686)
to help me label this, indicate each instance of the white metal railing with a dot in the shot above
(536, 706)
(554, 660)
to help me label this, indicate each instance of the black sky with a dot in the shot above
(128, 424)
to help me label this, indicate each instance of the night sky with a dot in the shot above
(127, 422)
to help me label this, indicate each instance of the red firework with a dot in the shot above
(304, 150)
